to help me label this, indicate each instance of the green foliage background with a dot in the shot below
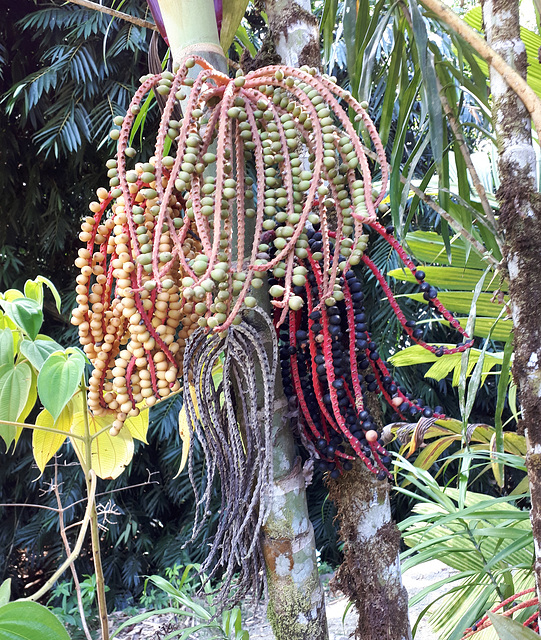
(65, 72)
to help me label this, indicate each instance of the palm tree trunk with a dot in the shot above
(370, 574)
(296, 607)
(520, 219)
(295, 32)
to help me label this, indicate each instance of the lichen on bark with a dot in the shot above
(370, 574)
(295, 32)
(520, 223)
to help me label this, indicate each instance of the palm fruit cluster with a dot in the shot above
(259, 166)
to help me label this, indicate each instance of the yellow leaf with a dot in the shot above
(32, 397)
(184, 430)
(30, 402)
(12, 294)
(138, 426)
(497, 467)
(44, 443)
(194, 401)
(522, 487)
(110, 454)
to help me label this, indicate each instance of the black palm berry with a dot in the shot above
(333, 341)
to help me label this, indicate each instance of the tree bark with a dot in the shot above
(295, 32)
(296, 607)
(520, 220)
(370, 574)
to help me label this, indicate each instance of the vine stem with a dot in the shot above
(527, 95)
(68, 551)
(92, 481)
(26, 425)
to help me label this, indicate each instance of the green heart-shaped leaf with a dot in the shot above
(34, 289)
(59, 378)
(38, 351)
(15, 383)
(5, 592)
(6, 347)
(26, 314)
(30, 621)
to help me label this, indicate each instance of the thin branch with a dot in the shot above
(33, 506)
(478, 246)
(26, 425)
(107, 493)
(74, 504)
(78, 544)
(68, 551)
(481, 250)
(528, 96)
(116, 14)
(477, 184)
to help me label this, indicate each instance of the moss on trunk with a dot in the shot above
(370, 574)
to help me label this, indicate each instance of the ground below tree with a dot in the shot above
(340, 628)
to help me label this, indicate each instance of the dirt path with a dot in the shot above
(340, 627)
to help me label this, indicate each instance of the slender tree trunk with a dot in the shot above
(370, 574)
(296, 600)
(295, 32)
(520, 219)
(296, 608)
